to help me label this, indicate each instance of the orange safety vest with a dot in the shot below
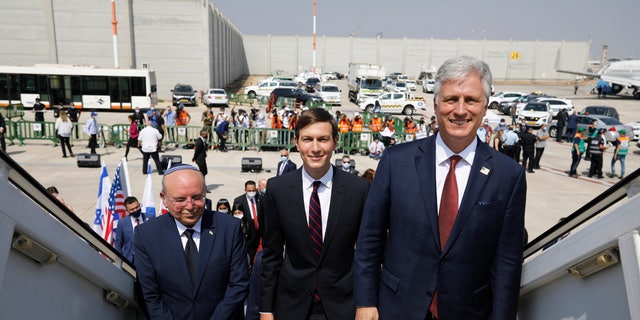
(182, 118)
(411, 127)
(390, 125)
(376, 124)
(293, 122)
(275, 122)
(343, 125)
(357, 125)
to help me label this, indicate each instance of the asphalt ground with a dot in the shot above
(551, 193)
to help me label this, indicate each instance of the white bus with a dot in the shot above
(87, 87)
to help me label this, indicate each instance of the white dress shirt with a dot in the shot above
(463, 169)
(196, 235)
(324, 194)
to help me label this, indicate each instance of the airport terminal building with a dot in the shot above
(190, 41)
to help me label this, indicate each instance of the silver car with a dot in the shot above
(603, 122)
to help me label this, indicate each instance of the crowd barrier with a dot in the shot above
(13, 111)
(174, 136)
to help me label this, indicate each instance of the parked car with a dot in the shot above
(411, 85)
(556, 104)
(505, 106)
(494, 101)
(330, 93)
(635, 134)
(300, 95)
(601, 110)
(215, 97)
(183, 93)
(398, 87)
(535, 114)
(428, 85)
(603, 122)
(266, 87)
(311, 83)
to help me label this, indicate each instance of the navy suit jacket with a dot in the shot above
(124, 236)
(289, 167)
(477, 275)
(223, 276)
(289, 279)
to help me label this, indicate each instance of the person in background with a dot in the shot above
(3, 132)
(542, 136)
(498, 140)
(597, 147)
(562, 117)
(572, 125)
(502, 125)
(346, 165)
(223, 206)
(182, 120)
(376, 148)
(577, 149)
(170, 124)
(126, 227)
(285, 164)
(138, 116)
(200, 152)
(148, 144)
(64, 126)
(619, 153)
(91, 128)
(428, 207)
(369, 174)
(528, 140)
(39, 110)
(161, 127)
(74, 116)
(252, 215)
(133, 136)
(54, 192)
(222, 130)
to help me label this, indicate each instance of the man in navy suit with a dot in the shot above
(453, 233)
(315, 213)
(191, 263)
(285, 165)
(126, 226)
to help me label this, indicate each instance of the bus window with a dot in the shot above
(14, 88)
(28, 83)
(4, 89)
(95, 85)
(76, 89)
(125, 91)
(43, 87)
(138, 87)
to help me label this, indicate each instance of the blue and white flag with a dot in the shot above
(116, 208)
(103, 187)
(148, 205)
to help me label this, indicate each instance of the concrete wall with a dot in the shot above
(536, 61)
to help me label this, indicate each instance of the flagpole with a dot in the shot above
(127, 185)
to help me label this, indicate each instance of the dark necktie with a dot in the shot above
(447, 214)
(137, 222)
(191, 251)
(315, 227)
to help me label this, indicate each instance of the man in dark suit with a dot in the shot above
(126, 226)
(200, 152)
(315, 212)
(191, 262)
(450, 212)
(250, 201)
(285, 165)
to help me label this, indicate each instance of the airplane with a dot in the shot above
(618, 74)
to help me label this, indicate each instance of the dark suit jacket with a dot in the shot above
(124, 237)
(223, 278)
(289, 167)
(288, 280)
(253, 236)
(200, 155)
(478, 272)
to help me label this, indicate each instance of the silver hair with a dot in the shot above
(461, 67)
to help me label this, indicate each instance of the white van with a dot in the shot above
(427, 85)
(330, 93)
(264, 89)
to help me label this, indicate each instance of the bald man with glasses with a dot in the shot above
(191, 262)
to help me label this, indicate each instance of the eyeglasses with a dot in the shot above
(181, 202)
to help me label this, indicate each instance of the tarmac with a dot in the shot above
(551, 193)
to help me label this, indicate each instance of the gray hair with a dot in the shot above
(461, 67)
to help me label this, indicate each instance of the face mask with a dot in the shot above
(283, 158)
(251, 194)
(136, 213)
(223, 210)
(346, 165)
(238, 215)
(264, 191)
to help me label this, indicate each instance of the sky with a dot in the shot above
(613, 22)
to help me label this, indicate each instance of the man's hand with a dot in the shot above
(266, 316)
(366, 313)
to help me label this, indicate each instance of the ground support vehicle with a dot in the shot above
(392, 102)
(365, 80)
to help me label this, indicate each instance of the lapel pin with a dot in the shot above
(485, 171)
(210, 232)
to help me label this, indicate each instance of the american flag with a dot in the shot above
(116, 208)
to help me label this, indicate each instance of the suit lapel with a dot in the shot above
(338, 192)
(207, 238)
(481, 170)
(426, 167)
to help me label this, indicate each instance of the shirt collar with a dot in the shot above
(181, 227)
(307, 180)
(443, 153)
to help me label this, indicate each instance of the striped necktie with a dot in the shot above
(315, 227)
